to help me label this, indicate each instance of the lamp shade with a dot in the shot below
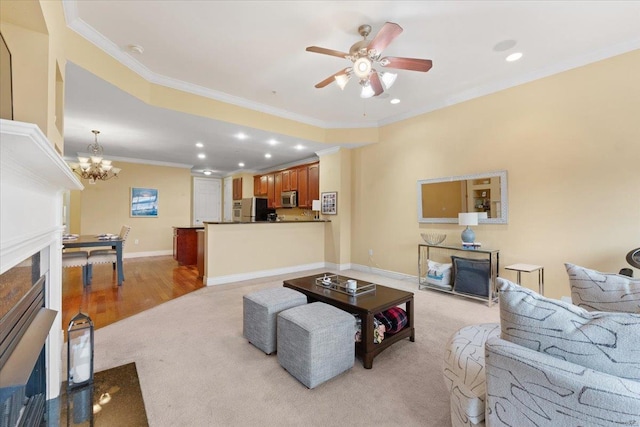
(468, 218)
(315, 205)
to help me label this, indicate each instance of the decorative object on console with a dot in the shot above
(95, 167)
(433, 238)
(633, 257)
(596, 291)
(468, 218)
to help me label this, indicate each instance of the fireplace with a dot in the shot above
(33, 181)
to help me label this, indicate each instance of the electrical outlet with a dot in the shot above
(135, 241)
(370, 252)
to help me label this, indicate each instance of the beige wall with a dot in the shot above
(569, 143)
(105, 206)
(571, 146)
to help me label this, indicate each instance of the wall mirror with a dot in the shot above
(441, 199)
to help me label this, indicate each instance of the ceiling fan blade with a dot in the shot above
(376, 84)
(387, 33)
(413, 64)
(331, 79)
(325, 51)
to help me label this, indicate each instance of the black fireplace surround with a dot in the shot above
(24, 328)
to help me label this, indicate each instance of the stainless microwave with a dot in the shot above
(289, 199)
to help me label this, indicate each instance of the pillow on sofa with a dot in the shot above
(605, 342)
(471, 276)
(593, 290)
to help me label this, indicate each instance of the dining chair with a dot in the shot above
(105, 256)
(77, 259)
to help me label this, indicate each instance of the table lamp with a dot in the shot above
(315, 206)
(468, 218)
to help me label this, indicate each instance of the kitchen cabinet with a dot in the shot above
(256, 186)
(200, 253)
(286, 180)
(303, 187)
(185, 245)
(294, 179)
(271, 189)
(314, 183)
(237, 188)
(277, 198)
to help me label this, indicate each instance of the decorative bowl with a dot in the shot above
(433, 238)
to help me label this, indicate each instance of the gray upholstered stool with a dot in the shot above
(316, 342)
(259, 314)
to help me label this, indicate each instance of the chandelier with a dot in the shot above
(95, 167)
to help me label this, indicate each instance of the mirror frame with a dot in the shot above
(504, 199)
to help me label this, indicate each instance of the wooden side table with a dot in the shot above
(529, 268)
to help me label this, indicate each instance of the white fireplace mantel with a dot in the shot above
(33, 179)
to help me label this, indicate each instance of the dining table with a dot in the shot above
(92, 241)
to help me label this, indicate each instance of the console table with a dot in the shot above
(493, 255)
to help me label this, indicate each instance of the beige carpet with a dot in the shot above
(196, 369)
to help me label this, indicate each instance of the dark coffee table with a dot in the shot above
(365, 306)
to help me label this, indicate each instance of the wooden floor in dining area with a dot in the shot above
(149, 282)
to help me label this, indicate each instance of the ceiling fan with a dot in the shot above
(365, 55)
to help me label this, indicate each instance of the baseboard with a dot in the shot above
(146, 254)
(220, 280)
(385, 273)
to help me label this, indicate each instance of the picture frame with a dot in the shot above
(329, 203)
(144, 202)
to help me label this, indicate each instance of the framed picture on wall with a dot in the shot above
(144, 202)
(329, 203)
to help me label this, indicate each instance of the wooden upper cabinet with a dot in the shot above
(237, 188)
(286, 180)
(294, 179)
(277, 196)
(256, 186)
(314, 183)
(271, 189)
(264, 185)
(303, 187)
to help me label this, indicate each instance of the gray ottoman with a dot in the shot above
(259, 314)
(316, 342)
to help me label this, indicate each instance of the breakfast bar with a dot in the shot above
(240, 251)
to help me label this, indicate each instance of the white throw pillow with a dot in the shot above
(593, 290)
(438, 274)
(605, 342)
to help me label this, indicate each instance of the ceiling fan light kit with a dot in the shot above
(364, 55)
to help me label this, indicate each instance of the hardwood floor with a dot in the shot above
(148, 282)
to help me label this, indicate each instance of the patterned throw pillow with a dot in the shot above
(393, 319)
(439, 274)
(593, 290)
(605, 342)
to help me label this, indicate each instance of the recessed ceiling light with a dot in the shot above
(268, 156)
(395, 101)
(272, 141)
(241, 164)
(201, 156)
(241, 135)
(299, 147)
(514, 57)
(199, 144)
(207, 172)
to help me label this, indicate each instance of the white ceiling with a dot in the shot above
(252, 54)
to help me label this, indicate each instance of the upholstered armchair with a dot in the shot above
(548, 363)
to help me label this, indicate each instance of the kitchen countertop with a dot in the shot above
(288, 221)
(189, 226)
